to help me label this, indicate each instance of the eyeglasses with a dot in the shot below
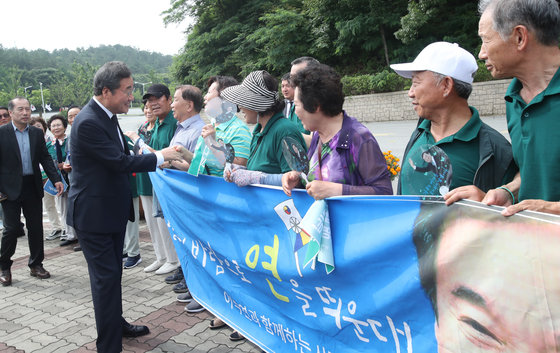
(5, 115)
(128, 92)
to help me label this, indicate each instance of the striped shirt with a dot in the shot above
(234, 132)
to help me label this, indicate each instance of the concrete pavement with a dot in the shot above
(56, 314)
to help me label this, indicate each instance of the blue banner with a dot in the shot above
(248, 260)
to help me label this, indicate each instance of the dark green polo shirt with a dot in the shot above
(162, 134)
(534, 130)
(266, 153)
(295, 119)
(461, 148)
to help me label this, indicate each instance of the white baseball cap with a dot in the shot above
(444, 58)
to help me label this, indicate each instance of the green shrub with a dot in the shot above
(357, 85)
(388, 81)
(384, 81)
(482, 74)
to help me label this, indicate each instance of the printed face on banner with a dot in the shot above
(429, 171)
(496, 285)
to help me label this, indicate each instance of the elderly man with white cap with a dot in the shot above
(451, 147)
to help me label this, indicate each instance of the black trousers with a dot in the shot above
(32, 207)
(103, 253)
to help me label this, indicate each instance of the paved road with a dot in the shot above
(56, 314)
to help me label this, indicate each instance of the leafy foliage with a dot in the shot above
(356, 37)
(384, 81)
(359, 38)
(67, 75)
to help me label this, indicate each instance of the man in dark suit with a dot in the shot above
(22, 148)
(99, 201)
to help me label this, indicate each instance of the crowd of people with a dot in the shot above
(100, 173)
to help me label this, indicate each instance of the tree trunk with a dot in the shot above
(382, 32)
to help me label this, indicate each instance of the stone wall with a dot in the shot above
(487, 97)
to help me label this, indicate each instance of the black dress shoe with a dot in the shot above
(6, 278)
(134, 330)
(39, 272)
(68, 242)
(78, 248)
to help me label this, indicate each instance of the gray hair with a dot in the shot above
(462, 88)
(193, 94)
(539, 16)
(305, 59)
(12, 102)
(110, 76)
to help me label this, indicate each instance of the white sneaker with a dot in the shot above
(154, 266)
(167, 268)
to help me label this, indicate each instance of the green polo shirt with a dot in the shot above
(162, 133)
(461, 148)
(233, 131)
(295, 119)
(266, 146)
(534, 129)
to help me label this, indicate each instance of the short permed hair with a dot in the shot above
(320, 86)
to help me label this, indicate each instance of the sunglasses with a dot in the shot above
(5, 115)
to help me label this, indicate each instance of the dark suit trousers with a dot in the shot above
(103, 253)
(32, 207)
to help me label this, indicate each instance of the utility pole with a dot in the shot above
(25, 90)
(42, 99)
(143, 84)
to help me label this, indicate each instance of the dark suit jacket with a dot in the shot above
(99, 199)
(11, 171)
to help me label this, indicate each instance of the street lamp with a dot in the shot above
(143, 84)
(25, 90)
(42, 99)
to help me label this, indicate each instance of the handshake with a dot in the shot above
(177, 153)
(176, 156)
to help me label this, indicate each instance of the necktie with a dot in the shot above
(288, 108)
(115, 122)
(58, 151)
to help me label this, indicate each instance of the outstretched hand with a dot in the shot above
(132, 135)
(171, 153)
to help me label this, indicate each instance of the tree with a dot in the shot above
(13, 80)
(356, 32)
(428, 21)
